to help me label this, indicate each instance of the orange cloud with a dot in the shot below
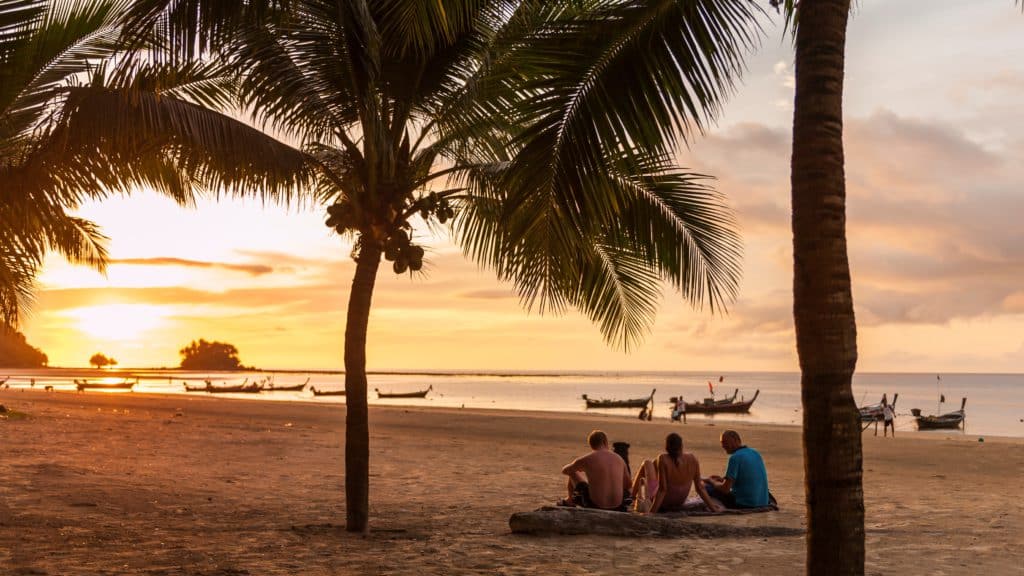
(253, 269)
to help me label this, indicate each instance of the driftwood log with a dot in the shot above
(571, 521)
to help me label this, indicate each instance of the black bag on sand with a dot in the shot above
(622, 449)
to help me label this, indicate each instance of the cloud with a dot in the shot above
(69, 298)
(784, 70)
(1014, 303)
(253, 269)
(290, 260)
(932, 217)
(914, 159)
(495, 294)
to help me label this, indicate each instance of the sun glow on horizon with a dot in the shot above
(119, 322)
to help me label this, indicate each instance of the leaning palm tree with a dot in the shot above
(540, 133)
(65, 81)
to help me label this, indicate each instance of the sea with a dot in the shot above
(995, 402)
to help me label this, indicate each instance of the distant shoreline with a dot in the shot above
(591, 418)
(498, 373)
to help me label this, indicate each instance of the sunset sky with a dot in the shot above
(935, 165)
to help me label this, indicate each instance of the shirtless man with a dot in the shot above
(598, 479)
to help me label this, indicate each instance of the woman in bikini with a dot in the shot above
(668, 479)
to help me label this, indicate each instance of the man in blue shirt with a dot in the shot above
(746, 481)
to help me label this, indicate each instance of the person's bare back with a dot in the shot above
(677, 470)
(676, 478)
(606, 474)
(602, 470)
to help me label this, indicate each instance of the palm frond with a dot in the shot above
(213, 149)
(680, 225)
(670, 225)
(294, 79)
(416, 28)
(192, 29)
(619, 291)
(68, 39)
(17, 284)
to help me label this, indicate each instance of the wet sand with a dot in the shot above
(115, 483)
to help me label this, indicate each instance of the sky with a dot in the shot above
(934, 136)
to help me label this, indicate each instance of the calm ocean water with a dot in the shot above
(995, 402)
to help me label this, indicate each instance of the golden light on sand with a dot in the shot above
(118, 321)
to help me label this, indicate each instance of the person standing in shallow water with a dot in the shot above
(745, 484)
(598, 479)
(679, 412)
(888, 420)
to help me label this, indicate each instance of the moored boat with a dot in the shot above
(293, 388)
(607, 403)
(242, 388)
(876, 412)
(726, 406)
(86, 385)
(711, 400)
(420, 394)
(950, 420)
(326, 392)
(188, 388)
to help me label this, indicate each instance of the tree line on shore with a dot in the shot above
(16, 352)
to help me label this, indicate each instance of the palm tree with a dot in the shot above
(826, 330)
(82, 117)
(541, 133)
(40, 48)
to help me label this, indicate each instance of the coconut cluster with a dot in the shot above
(398, 246)
(399, 249)
(439, 206)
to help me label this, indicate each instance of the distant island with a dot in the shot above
(15, 352)
(203, 355)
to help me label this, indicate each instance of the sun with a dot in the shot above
(118, 321)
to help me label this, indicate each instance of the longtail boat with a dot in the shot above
(208, 385)
(326, 392)
(420, 394)
(950, 420)
(242, 388)
(720, 401)
(86, 385)
(295, 388)
(188, 388)
(727, 406)
(875, 412)
(630, 403)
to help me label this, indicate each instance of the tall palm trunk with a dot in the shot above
(826, 331)
(357, 429)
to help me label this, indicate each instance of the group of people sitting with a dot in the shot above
(601, 479)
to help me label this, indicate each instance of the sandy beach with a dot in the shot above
(100, 483)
